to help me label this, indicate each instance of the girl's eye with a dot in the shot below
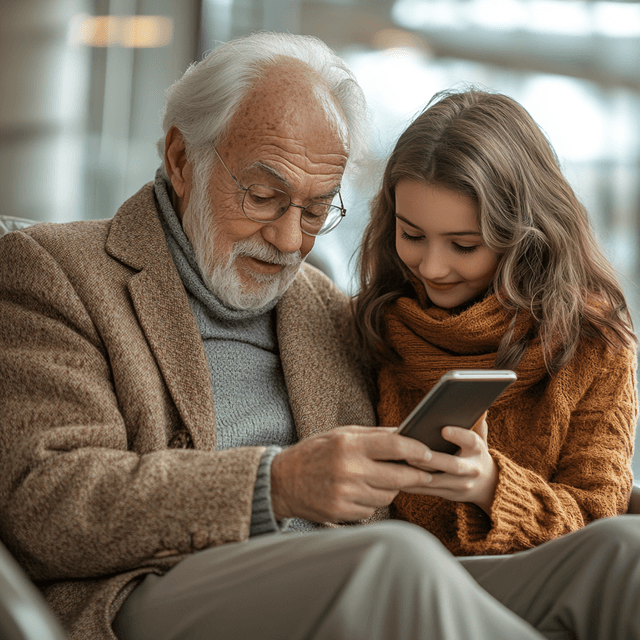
(462, 249)
(406, 236)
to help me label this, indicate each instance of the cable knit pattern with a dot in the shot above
(563, 444)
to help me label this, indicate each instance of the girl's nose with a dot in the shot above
(433, 265)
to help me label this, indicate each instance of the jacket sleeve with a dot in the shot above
(590, 478)
(77, 498)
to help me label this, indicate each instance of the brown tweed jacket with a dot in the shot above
(101, 364)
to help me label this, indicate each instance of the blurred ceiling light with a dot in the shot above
(500, 15)
(564, 17)
(578, 135)
(399, 43)
(414, 14)
(617, 19)
(120, 31)
(561, 17)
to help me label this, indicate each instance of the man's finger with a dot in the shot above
(393, 476)
(392, 446)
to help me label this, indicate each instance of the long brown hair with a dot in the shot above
(486, 146)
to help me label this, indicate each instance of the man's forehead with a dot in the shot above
(289, 100)
(331, 186)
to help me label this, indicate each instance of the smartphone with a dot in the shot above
(458, 399)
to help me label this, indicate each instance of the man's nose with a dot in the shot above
(285, 232)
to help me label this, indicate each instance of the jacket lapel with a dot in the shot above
(160, 301)
(309, 367)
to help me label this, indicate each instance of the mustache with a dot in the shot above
(266, 253)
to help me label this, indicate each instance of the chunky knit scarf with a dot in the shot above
(432, 341)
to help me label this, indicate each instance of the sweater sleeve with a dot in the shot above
(591, 479)
(262, 518)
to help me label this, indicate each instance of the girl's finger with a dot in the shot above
(464, 438)
(449, 465)
(481, 427)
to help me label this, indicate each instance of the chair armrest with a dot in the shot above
(10, 223)
(24, 613)
(634, 502)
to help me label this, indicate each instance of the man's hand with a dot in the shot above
(469, 476)
(344, 474)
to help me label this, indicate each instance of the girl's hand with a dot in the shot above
(469, 476)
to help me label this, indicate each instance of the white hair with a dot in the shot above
(202, 103)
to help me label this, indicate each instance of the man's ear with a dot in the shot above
(177, 166)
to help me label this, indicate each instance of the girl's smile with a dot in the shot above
(441, 286)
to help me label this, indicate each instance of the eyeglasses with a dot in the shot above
(266, 204)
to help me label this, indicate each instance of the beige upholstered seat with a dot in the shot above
(24, 613)
(634, 503)
(10, 223)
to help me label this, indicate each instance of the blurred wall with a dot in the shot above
(43, 88)
(79, 105)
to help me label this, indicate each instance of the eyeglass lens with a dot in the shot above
(263, 204)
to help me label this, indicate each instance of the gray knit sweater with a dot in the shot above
(252, 405)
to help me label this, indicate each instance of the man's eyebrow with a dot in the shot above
(265, 168)
(451, 233)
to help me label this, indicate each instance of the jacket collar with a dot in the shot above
(313, 355)
(158, 296)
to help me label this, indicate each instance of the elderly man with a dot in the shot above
(175, 384)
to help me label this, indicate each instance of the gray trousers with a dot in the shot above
(394, 581)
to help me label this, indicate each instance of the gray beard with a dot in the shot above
(220, 273)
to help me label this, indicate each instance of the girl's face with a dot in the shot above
(438, 238)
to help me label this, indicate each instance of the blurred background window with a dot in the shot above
(82, 85)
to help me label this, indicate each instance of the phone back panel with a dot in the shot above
(457, 403)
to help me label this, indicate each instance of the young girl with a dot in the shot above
(478, 255)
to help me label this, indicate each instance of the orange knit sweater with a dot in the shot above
(562, 444)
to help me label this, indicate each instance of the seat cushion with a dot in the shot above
(634, 503)
(10, 223)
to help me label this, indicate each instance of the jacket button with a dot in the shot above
(200, 540)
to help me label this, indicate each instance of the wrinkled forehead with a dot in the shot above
(290, 101)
